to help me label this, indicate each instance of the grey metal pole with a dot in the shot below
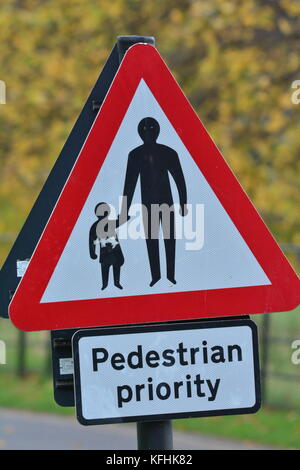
(266, 327)
(155, 435)
(151, 435)
(21, 365)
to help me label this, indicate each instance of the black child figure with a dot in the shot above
(110, 250)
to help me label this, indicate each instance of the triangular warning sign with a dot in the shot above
(151, 225)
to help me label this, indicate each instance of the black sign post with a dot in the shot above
(155, 435)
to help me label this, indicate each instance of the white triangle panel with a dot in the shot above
(221, 259)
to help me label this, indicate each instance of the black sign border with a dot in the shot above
(160, 328)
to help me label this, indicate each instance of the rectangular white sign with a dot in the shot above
(166, 371)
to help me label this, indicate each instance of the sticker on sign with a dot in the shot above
(166, 371)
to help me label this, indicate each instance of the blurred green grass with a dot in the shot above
(37, 354)
(268, 426)
(284, 328)
(278, 428)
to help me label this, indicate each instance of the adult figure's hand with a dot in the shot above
(183, 210)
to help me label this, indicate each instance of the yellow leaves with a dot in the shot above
(264, 82)
(228, 7)
(275, 122)
(176, 16)
(285, 26)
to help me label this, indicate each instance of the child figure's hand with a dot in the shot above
(113, 242)
(93, 256)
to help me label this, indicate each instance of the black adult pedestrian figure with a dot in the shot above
(153, 163)
(103, 231)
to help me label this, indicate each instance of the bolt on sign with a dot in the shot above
(151, 224)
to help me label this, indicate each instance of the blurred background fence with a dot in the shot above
(30, 353)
